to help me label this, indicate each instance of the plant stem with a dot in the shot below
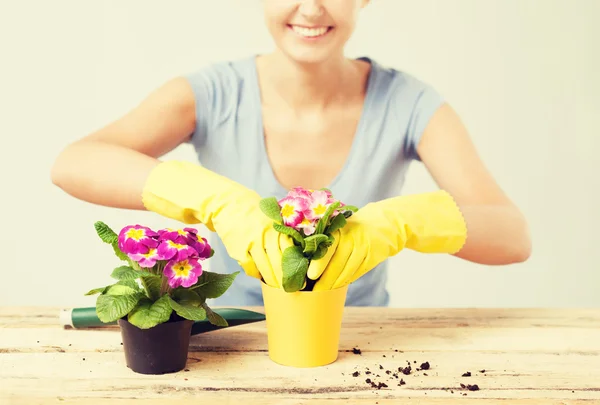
(164, 286)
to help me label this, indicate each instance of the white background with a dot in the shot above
(523, 74)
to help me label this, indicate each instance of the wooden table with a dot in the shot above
(530, 356)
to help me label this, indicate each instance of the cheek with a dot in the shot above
(276, 11)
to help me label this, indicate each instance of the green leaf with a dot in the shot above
(105, 233)
(322, 224)
(270, 207)
(187, 297)
(213, 285)
(338, 222)
(95, 291)
(348, 210)
(152, 286)
(188, 311)
(320, 252)
(129, 273)
(119, 253)
(294, 268)
(110, 308)
(351, 208)
(124, 287)
(313, 242)
(109, 236)
(213, 317)
(148, 314)
(288, 230)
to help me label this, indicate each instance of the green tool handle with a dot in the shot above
(87, 318)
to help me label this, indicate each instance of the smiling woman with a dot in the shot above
(312, 31)
(302, 116)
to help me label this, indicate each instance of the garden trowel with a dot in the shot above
(87, 318)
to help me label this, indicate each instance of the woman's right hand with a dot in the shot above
(109, 167)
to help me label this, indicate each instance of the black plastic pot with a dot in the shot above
(161, 349)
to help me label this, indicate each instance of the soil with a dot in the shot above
(406, 370)
(391, 374)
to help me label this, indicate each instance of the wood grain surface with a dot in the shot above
(530, 356)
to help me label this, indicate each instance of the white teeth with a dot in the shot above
(309, 32)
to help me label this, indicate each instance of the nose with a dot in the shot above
(311, 8)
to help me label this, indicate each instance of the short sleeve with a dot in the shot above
(426, 101)
(214, 87)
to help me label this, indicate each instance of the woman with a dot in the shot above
(306, 116)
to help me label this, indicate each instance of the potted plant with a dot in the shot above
(160, 290)
(303, 326)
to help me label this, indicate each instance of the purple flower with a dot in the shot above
(185, 236)
(183, 273)
(202, 247)
(168, 250)
(146, 259)
(135, 239)
(292, 210)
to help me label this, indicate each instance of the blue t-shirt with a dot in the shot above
(229, 140)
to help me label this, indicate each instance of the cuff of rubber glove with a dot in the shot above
(174, 190)
(434, 221)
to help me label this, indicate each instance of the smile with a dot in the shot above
(310, 32)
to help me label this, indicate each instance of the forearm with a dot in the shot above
(496, 235)
(104, 174)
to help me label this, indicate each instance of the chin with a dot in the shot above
(311, 56)
(307, 58)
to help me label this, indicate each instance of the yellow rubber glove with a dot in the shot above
(427, 223)
(192, 194)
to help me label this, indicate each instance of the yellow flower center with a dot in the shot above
(320, 209)
(305, 221)
(182, 232)
(287, 210)
(150, 253)
(175, 245)
(136, 234)
(182, 269)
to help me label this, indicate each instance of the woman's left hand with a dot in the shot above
(428, 223)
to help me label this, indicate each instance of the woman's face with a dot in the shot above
(311, 31)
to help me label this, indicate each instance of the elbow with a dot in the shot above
(521, 253)
(56, 174)
(521, 246)
(59, 172)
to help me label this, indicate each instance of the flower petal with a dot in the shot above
(137, 239)
(308, 226)
(299, 192)
(203, 248)
(183, 273)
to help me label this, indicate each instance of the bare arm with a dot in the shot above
(110, 166)
(497, 231)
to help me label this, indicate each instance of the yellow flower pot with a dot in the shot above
(303, 328)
